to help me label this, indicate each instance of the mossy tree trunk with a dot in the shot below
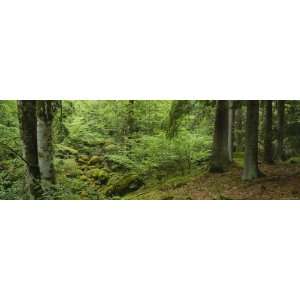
(28, 132)
(268, 132)
(45, 116)
(220, 159)
(251, 170)
(281, 129)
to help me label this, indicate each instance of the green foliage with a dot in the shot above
(111, 148)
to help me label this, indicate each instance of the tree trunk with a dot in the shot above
(220, 158)
(238, 128)
(28, 132)
(281, 129)
(45, 115)
(268, 136)
(230, 129)
(130, 121)
(251, 170)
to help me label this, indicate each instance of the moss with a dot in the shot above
(83, 178)
(83, 159)
(63, 151)
(95, 160)
(294, 160)
(70, 168)
(99, 175)
(123, 185)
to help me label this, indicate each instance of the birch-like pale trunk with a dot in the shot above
(44, 138)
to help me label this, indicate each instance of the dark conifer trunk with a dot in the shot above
(268, 136)
(28, 131)
(281, 128)
(239, 128)
(220, 158)
(230, 129)
(251, 170)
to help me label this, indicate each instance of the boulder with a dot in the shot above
(99, 175)
(123, 185)
(83, 159)
(95, 160)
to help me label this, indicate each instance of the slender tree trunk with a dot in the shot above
(268, 132)
(45, 116)
(130, 121)
(230, 129)
(220, 158)
(251, 170)
(28, 132)
(281, 129)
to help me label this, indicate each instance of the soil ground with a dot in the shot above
(281, 181)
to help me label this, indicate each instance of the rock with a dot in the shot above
(168, 197)
(95, 160)
(83, 178)
(65, 151)
(84, 195)
(99, 175)
(123, 185)
(83, 159)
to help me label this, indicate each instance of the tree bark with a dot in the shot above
(251, 170)
(239, 128)
(268, 132)
(28, 132)
(281, 129)
(230, 129)
(220, 157)
(45, 116)
(131, 125)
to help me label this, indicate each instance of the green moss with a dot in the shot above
(99, 175)
(123, 185)
(95, 160)
(294, 160)
(69, 168)
(63, 151)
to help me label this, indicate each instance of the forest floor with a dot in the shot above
(281, 181)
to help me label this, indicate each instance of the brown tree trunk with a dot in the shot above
(220, 157)
(281, 128)
(238, 128)
(251, 170)
(268, 137)
(230, 129)
(28, 131)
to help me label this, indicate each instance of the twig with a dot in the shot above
(16, 153)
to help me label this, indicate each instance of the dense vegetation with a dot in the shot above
(149, 149)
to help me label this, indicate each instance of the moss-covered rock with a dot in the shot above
(83, 159)
(99, 175)
(83, 177)
(123, 185)
(95, 160)
(63, 151)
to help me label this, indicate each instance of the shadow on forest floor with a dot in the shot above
(282, 181)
